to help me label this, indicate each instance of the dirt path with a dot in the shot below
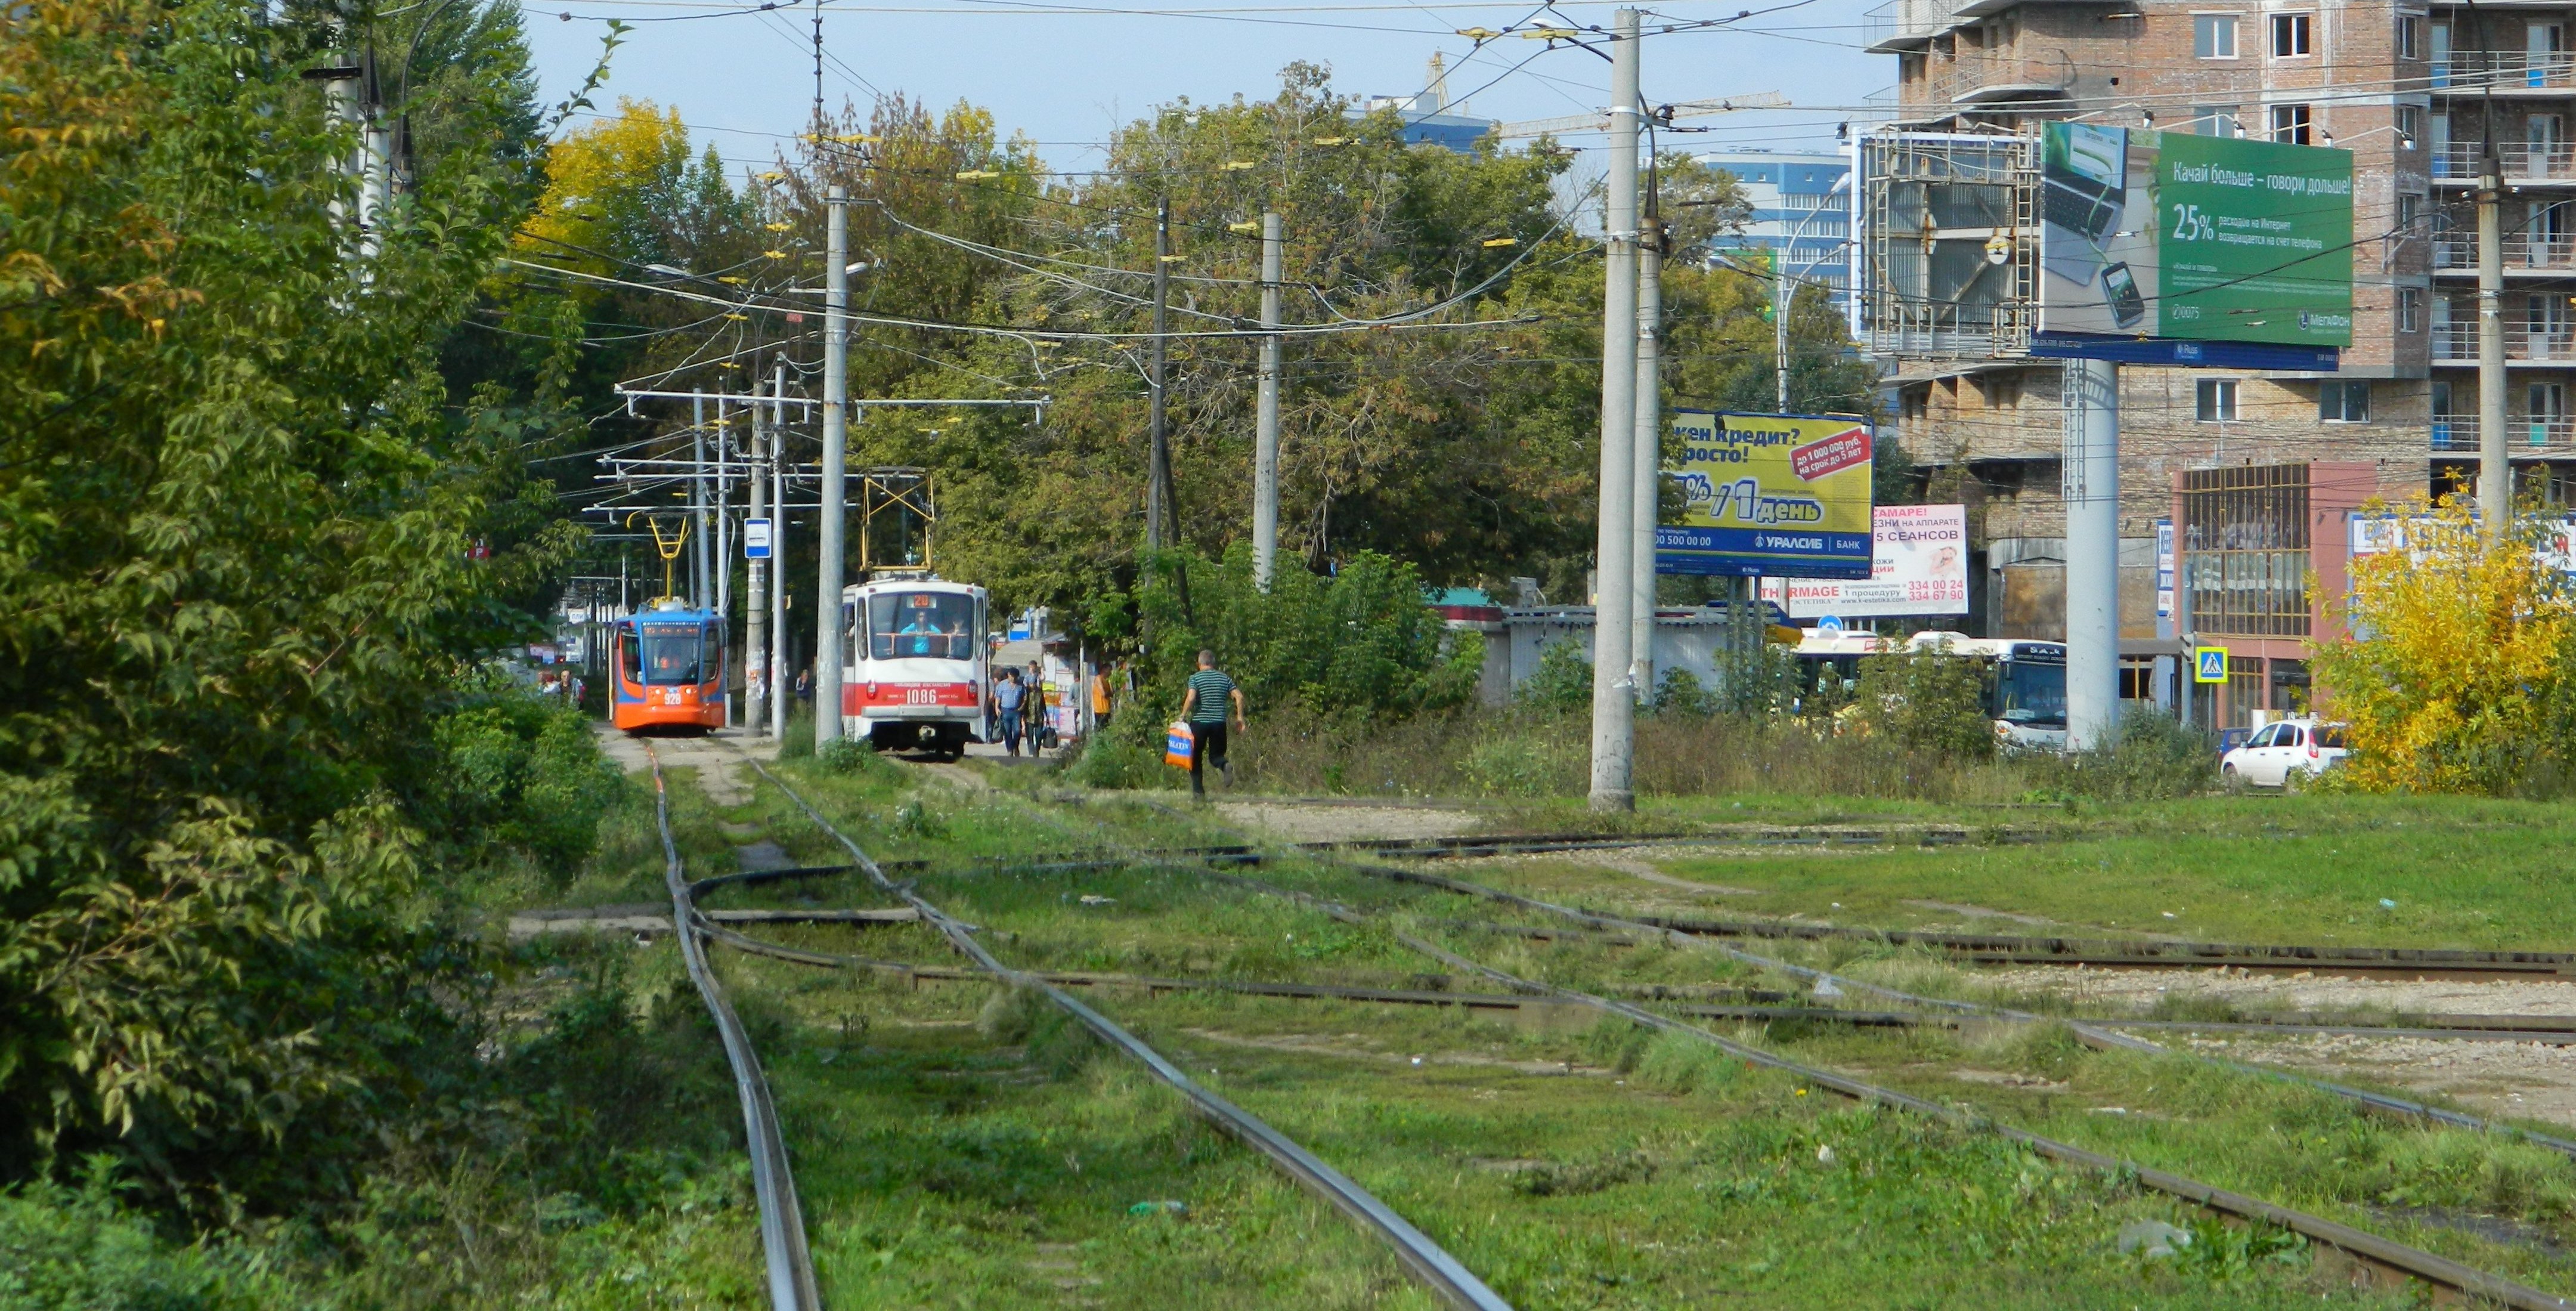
(2112, 991)
(717, 758)
(1314, 823)
(2523, 1079)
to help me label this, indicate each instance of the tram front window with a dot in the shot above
(674, 653)
(921, 625)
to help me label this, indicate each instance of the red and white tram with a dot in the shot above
(914, 669)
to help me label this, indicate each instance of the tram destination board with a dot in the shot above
(1784, 495)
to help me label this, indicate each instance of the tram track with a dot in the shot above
(787, 1262)
(1971, 948)
(2368, 1249)
(1425, 1260)
(2091, 1033)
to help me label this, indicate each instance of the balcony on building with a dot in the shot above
(1982, 77)
(2455, 254)
(1901, 25)
(2455, 342)
(2458, 163)
(2505, 72)
(2524, 435)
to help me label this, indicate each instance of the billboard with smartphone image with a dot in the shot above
(2197, 238)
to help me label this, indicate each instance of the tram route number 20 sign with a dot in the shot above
(1782, 495)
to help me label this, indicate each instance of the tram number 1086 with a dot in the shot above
(921, 696)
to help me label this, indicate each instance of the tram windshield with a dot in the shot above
(921, 625)
(674, 653)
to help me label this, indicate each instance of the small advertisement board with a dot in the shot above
(1770, 494)
(1919, 566)
(2148, 234)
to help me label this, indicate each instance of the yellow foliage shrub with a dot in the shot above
(2454, 670)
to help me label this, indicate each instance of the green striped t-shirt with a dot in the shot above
(1215, 690)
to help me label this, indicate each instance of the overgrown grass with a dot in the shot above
(1530, 751)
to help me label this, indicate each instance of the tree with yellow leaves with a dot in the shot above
(2455, 673)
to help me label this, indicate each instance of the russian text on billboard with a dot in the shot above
(1784, 495)
(2171, 234)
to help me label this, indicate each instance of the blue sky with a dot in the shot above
(743, 81)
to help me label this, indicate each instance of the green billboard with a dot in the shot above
(2196, 238)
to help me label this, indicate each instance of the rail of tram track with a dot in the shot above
(2365, 1248)
(1444, 1275)
(787, 1263)
(1972, 948)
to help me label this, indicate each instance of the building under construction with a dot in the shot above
(2411, 91)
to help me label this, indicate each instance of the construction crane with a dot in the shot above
(1665, 114)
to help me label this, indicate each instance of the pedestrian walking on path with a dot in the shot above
(1210, 694)
(1008, 695)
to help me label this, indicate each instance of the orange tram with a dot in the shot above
(667, 670)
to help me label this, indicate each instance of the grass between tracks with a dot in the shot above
(1694, 1178)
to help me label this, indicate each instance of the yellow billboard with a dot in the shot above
(1782, 495)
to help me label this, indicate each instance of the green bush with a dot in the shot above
(853, 756)
(2153, 757)
(1363, 645)
(1680, 695)
(1926, 700)
(1116, 760)
(1562, 681)
(64, 1247)
(522, 771)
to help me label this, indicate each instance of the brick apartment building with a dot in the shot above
(2408, 88)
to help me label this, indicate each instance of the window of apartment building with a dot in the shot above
(2216, 400)
(2547, 405)
(2410, 126)
(2213, 36)
(2212, 121)
(2290, 124)
(2410, 36)
(2343, 401)
(2410, 309)
(2290, 35)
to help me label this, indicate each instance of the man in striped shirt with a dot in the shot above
(1209, 695)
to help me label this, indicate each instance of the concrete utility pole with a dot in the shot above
(755, 609)
(1158, 472)
(2495, 467)
(1780, 327)
(836, 440)
(779, 694)
(1614, 705)
(1649, 454)
(2092, 491)
(698, 591)
(722, 557)
(1265, 446)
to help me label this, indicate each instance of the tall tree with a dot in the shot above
(248, 538)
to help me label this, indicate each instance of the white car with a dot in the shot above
(2284, 754)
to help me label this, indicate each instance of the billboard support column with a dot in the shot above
(2495, 467)
(1614, 710)
(2092, 490)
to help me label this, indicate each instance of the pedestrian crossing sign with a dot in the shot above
(2209, 664)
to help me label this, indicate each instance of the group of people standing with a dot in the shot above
(1018, 703)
